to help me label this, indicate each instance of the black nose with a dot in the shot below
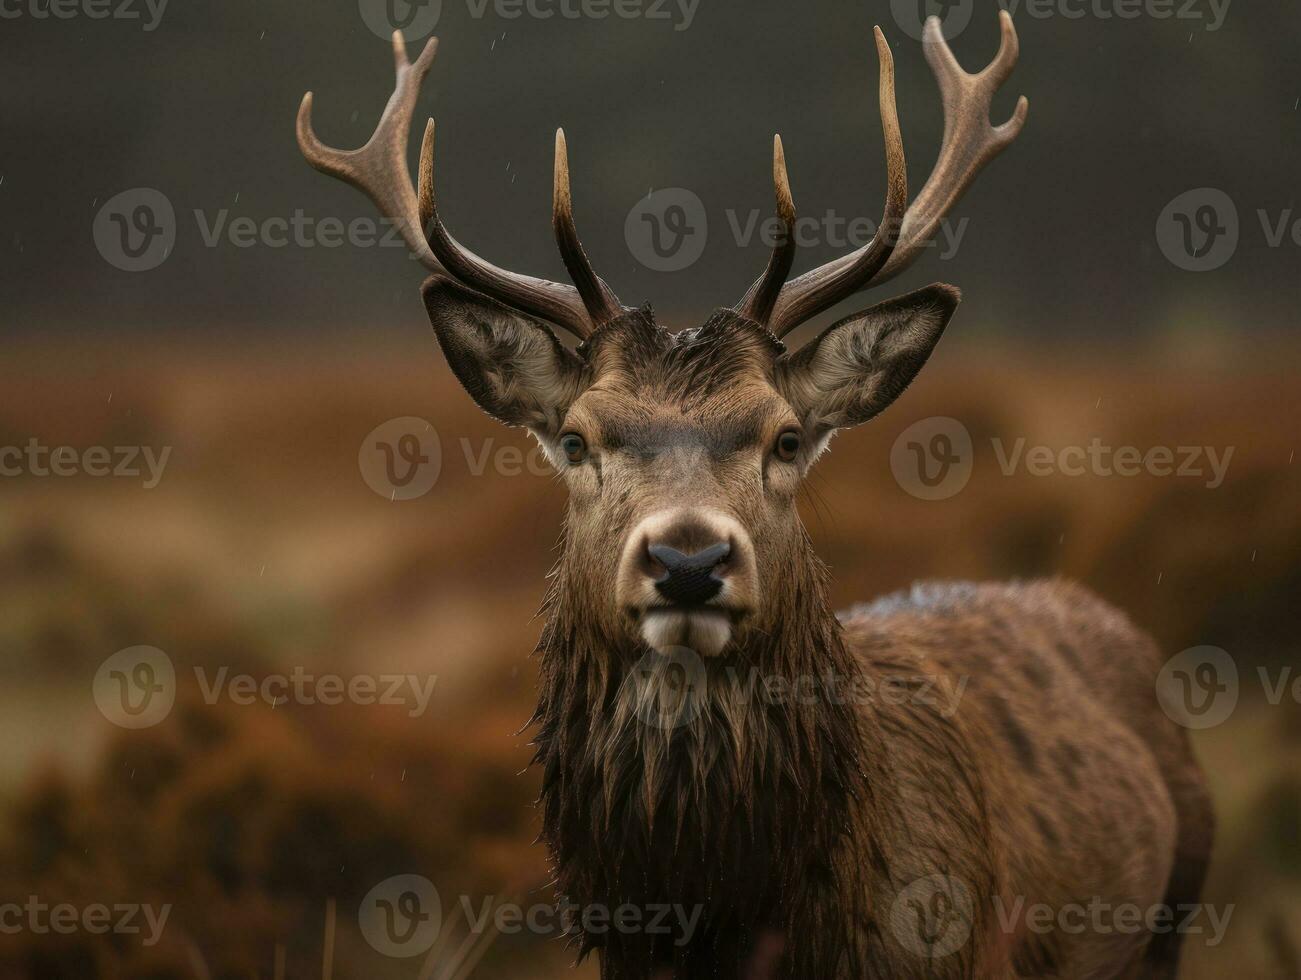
(689, 580)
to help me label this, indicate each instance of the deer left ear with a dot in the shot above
(512, 365)
(857, 367)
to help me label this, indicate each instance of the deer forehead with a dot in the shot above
(651, 420)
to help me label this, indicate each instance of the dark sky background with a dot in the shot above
(1126, 114)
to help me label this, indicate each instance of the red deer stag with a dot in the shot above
(818, 831)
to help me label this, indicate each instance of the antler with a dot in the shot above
(379, 169)
(757, 304)
(969, 143)
(784, 307)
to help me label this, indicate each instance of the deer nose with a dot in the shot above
(689, 580)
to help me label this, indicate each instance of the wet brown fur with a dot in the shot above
(1054, 779)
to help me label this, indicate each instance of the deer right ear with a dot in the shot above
(855, 368)
(511, 365)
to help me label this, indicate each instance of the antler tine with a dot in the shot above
(379, 169)
(552, 301)
(825, 286)
(599, 299)
(969, 142)
(757, 304)
(1009, 49)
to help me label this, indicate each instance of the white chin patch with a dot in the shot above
(705, 631)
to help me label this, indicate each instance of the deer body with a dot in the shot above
(815, 842)
(796, 786)
(711, 736)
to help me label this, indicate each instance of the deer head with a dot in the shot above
(684, 453)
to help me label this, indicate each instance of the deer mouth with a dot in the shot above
(704, 629)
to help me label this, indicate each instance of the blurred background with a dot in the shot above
(206, 325)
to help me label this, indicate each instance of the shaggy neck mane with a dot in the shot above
(741, 798)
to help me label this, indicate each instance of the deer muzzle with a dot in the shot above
(687, 578)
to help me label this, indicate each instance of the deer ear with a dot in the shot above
(857, 367)
(512, 366)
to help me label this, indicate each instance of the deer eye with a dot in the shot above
(574, 446)
(788, 446)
